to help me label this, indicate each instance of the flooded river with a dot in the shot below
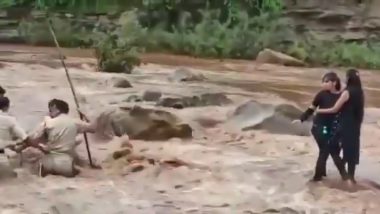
(254, 171)
(295, 84)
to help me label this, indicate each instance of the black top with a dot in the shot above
(352, 111)
(350, 121)
(325, 99)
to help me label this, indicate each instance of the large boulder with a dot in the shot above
(141, 123)
(273, 57)
(289, 111)
(275, 119)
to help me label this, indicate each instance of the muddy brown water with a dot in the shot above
(294, 84)
(248, 173)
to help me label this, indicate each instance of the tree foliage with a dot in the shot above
(228, 6)
(206, 28)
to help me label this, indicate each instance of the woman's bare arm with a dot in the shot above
(338, 105)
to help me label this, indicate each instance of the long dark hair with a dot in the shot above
(4, 103)
(2, 91)
(354, 87)
(333, 77)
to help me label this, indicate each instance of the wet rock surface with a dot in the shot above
(273, 57)
(181, 102)
(276, 119)
(142, 123)
(336, 20)
(206, 99)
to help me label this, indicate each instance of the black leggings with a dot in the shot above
(351, 171)
(351, 150)
(328, 144)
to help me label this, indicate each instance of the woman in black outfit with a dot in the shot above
(351, 107)
(325, 125)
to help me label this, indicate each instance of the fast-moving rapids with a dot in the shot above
(222, 169)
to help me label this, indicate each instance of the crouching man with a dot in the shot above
(11, 133)
(54, 142)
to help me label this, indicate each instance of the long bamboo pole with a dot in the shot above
(62, 58)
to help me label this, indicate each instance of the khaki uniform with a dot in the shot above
(10, 130)
(59, 134)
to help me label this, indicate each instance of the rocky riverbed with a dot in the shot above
(222, 143)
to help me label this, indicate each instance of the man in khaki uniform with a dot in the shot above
(56, 137)
(10, 130)
(11, 133)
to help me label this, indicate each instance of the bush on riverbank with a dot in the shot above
(242, 37)
(337, 54)
(117, 49)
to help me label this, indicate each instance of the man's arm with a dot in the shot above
(39, 133)
(22, 139)
(86, 125)
(18, 132)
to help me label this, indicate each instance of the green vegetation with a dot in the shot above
(117, 50)
(74, 6)
(208, 28)
(71, 34)
(338, 53)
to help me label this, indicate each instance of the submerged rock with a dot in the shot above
(134, 98)
(120, 82)
(283, 210)
(142, 123)
(207, 99)
(177, 103)
(185, 74)
(63, 208)
(273, 57)
(6, 171)
(151, 96)
(214, 99)
(274, 119)
(121, 153)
